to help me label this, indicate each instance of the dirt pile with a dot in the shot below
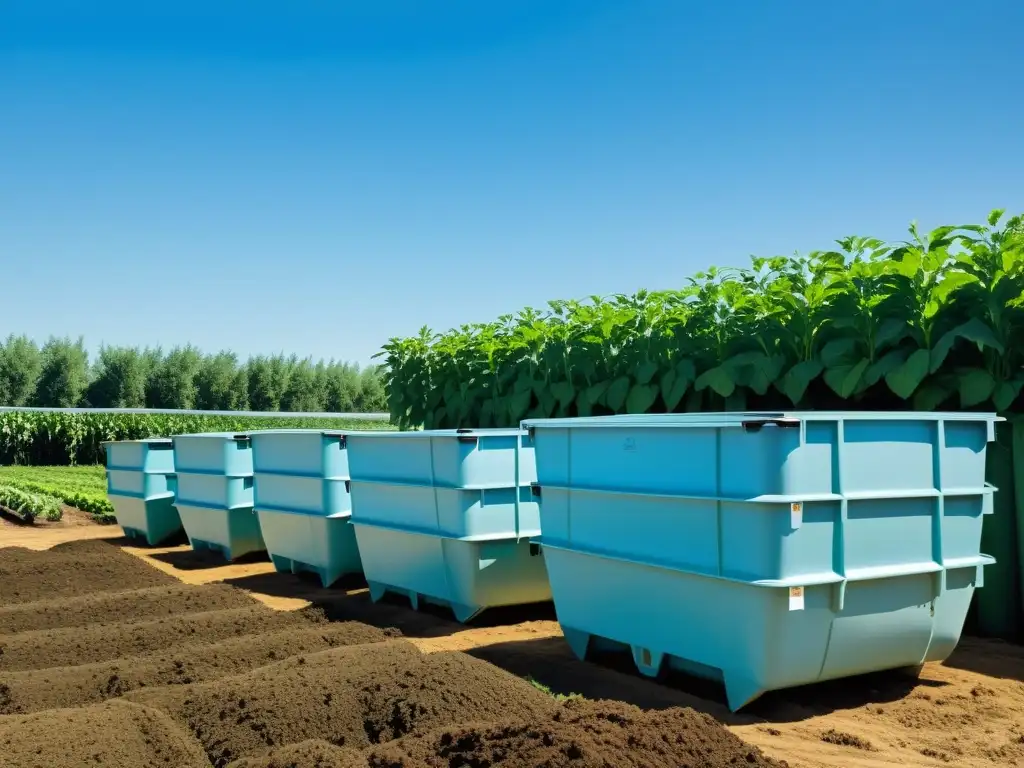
(578, 734)
(109, 607)
(36, 690)
(78, 568)
(351, 697)
(115, 734)
(100, 642)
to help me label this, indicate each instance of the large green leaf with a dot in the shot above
(975, 330)
(844, 379)
(882, 366)
(931, 396)
(617, 393)
(645, 372)
(839, 353)
(976, 386)
(719, 379)
(641, 398)
(519, 404)
(1005, 393)
(673, 387)
(564, 392)
(905, 379)
(796, 380)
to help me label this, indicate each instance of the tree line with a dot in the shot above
(60, 374)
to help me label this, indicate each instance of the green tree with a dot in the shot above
(341, 387)
(221, 384)
(268, 380)
(304, 391)
(64, 374)
(20, 365)
(172, 383)
(120, 378)
(372, 395)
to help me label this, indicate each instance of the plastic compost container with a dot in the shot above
(765, 550)
(215, 493)
(446, 516)
(302, 501)
(141, 487)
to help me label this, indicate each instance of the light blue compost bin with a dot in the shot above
(141, 486)
(215, 493)
(446, 516)
(303, 502)
(764, 550)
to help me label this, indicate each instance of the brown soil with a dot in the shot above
(113, 735)
(68, 570)
(582, 734)
(106, 607)
(99, 642)
(353, 696)
(577, 734)
(35, 690)
(967, 711)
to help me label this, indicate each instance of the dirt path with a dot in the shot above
(969, 711)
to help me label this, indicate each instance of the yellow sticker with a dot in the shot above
(796, 514)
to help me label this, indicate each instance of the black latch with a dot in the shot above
(535, 489)
(534, 549)
(755, 426)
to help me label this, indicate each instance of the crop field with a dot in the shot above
(84, 488)
(121, 657)
(935, 322)
(60, 438)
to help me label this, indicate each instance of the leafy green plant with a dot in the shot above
(56, 438)
(29, 506)
(934, 321)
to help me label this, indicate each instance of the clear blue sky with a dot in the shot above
(314, 177)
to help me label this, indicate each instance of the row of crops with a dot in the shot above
(82, 487)
(936, 321)
(28, 506)
(57, 438)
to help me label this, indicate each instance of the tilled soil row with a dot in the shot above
(578, 734)
(109, 607)
(70, 570)
(69, 646)
(115, 734)
(37, 690)
(353, 697)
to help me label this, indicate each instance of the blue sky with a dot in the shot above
(314, 177)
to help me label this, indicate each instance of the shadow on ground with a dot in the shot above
(551, 663)
(993, 658)
(196, 560)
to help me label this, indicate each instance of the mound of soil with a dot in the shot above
(36, 690)
(578, 734)
(115, 734)
(581, 734)
(306, 754)
(78, 568)
(101, 642)
(129, 605)
(351, 697)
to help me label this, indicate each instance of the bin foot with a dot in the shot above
(377, 590)
(464, 613)
(578, 641)
(281, 564)
(740, 691)
(648, 662)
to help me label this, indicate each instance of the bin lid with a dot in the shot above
(144, 440)
(483, 432)
(752, 418)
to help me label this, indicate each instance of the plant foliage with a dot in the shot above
(58, 438)
(933, 322)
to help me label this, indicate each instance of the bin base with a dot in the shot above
(152, 521)
(231, 533)
(466, 576)
(303, 543)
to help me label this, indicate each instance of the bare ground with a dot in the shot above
(968, 711)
